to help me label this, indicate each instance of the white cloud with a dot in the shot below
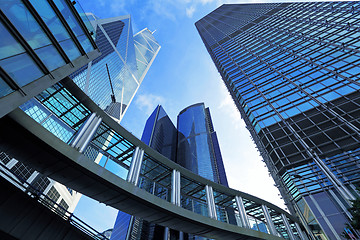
(148, 102)
(227, 106)
(190, 11)
(165, 9)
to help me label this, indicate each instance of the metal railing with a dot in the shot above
(43, 199)
(121, 153)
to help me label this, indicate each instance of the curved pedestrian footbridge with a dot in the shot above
(102, 160)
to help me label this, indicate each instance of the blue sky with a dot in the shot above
(181, 75)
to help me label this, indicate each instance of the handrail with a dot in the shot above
(35, 193)
(76, 91)
(198, 205)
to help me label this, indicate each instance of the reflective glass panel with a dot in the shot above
(8, 45)
(21, 69)
(49, 55)
(30, 29)
(85, 43)
(70, 49)
(4, 88)
(56, 27)
(74, 25)
(25, 23)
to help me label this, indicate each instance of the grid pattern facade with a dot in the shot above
(4, 158)
(122, 66)
(293, 72)
(22, 171)
(39, 37)
(53, 194)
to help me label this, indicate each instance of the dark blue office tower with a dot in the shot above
(198, 147)
(193, 145)
(160, 134)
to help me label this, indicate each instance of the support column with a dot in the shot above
(175, 188)
(301, 234)
(85, 134)
(175, 198)
(242, 212)
(135, 166)
(166, 233)
(288, 228)
(269, 221)
(210, 202)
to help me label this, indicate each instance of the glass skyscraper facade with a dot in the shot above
(198, 148)
(112, 79)
(193, 144)
(292, 70)
(160, 134)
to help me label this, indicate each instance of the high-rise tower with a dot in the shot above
(292, 70)
(193, 145)
(198, 148)
(160, 134)
(112, 79)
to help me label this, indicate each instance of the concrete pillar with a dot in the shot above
(243, 217)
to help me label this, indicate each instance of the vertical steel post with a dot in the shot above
(301, 234)
(243, 217)
(85, 134)
(210, 202)
(132, 165)
(269, 221)
(138, 166)
(90, 133)
(175, 198)
(175, 188)
(288, 228)
(135, 166)
(84, 127)
(166, 233)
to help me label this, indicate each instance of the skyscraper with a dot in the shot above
(292, 70)
(198, 148)
(112, 79)
(193, 145)
(160, 134)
